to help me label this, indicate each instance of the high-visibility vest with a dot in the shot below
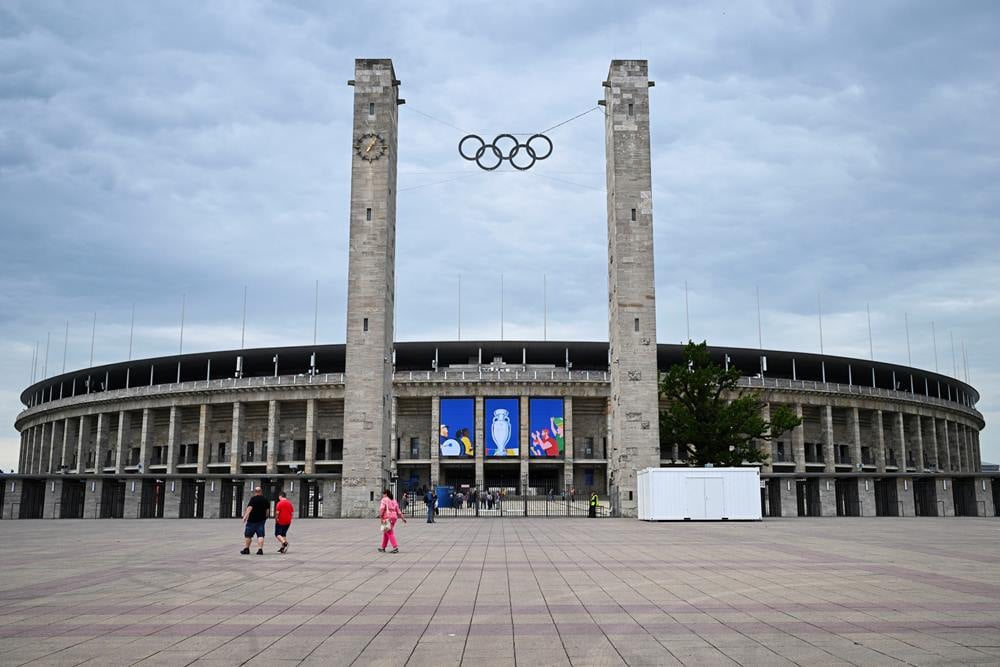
(593, 500)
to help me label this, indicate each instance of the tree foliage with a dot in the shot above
(711, 418)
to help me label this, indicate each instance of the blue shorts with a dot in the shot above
(280, 530)
(254, 528)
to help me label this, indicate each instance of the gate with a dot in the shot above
(192, 504)
(886, 499)
(848, 503)
(231, 499)
(925, 497)
(151, 501)
(71, 501)
(964, 495)
(308, 499)
(112, 499)
(32, 499)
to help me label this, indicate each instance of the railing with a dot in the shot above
(505, 375)
(511, 506)
(861, 390)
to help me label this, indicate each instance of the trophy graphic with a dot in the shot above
(500, 429)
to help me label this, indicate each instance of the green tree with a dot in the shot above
(710, 417)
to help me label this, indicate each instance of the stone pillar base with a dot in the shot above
(904, 494)
(866, 496)
(945, 499)
(172, 499)
(827, 497)
(53, 499)
(330, 489)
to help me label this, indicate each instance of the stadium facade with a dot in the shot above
(190, 435)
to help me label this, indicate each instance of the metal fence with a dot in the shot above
(510, 506)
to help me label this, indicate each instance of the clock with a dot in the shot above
(370, 146)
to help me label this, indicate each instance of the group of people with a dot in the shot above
(389, 512)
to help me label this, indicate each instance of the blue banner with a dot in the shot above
(501, 422)
(457, 428)
(545, 418)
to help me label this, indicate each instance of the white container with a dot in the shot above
(699, 494)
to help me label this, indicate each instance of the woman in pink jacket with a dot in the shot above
(388, 513)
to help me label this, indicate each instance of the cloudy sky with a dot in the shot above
(150, 154)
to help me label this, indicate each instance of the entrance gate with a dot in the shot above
(964, 495)
(847, 497)
(308, 499)
(112, 499)
(71, 501)
(151, 500)
(925, 497)
(32, 499)
(886, 499)
(507, 506)
(192, 499)
(231, 499)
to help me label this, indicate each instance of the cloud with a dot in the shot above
(837, 149)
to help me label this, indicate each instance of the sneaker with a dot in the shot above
(380, 550)
(284, 548)
(245, 552)
(260, 552)
(394, 551)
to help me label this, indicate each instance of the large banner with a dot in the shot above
(545, 417)
(502, 419)
(458, 427)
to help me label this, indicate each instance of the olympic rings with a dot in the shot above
(495, 154)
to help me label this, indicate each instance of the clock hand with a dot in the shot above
(371, 145)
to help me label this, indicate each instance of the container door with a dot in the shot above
(715, 498)
(694, 496)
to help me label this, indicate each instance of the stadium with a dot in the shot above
(190, 435)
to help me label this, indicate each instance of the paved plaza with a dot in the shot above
(503, 591)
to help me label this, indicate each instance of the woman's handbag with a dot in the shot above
(385, 525)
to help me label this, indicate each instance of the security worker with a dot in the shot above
(592, 513)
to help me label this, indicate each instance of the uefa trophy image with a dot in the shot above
(500, 430)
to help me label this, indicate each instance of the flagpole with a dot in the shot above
(65, 346)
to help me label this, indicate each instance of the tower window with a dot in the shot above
(637, 324)
(633, 215)
(631, 109)
(365, 324)
(368, 214)
(371, 109)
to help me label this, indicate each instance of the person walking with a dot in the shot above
(592, 512)
(388, 514)
(254, 518)
(283, 512)
(430, 499)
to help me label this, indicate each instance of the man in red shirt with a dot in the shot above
(283, 511)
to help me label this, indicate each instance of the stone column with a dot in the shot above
(799, 442)
(239, 426)
(635, 426)
(524, 437)
(331, 499)
(144, 432)
(480, 442)
(904, 494)
(946, 501)
(53, 499)
(274, 439)
(984, 496)
(899, 440)
(55, 446)
(124, 426)
(68, 440)
(80, 439)
(172, 499)
(826, 426)
(789, 497)
(37, 467)
(310, 466)
(568, 475)
(854, 431)
(941, 438)
(101, 441)
(133, 495)
(435, 441)
(212, 503)
(879, 437)
(979, 453)
(204, 435)
(956, 447)
(173, 439)
(29, 449)
(930, 450)
(93, 490)
(764, 445)
(11, 498)
(22, 456)
(866, 496)
(827, 497)
(916, 443)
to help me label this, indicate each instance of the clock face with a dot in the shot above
(370, 146)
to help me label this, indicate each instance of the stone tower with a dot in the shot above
(634, 423)
(370, 288)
